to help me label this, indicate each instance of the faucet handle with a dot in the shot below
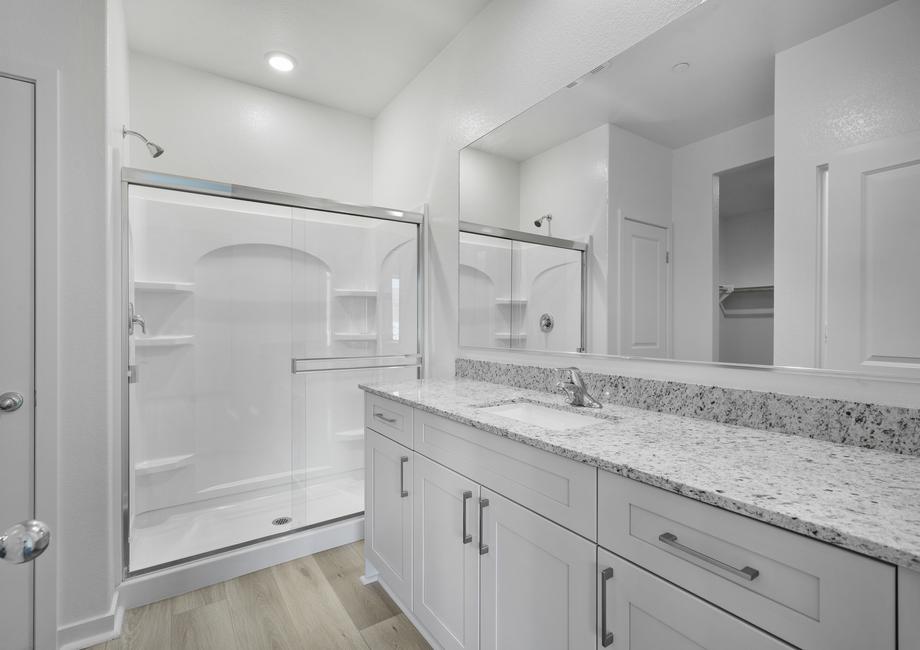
(568, 388)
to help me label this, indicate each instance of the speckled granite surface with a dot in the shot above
(864, 500)
(872, 426)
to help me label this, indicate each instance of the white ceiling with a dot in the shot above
(730, 45)
(352, 54)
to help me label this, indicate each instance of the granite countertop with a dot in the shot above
(863, 500)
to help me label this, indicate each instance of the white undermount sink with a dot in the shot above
(541, 416)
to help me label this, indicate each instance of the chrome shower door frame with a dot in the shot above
(146, 178)
(543, 240)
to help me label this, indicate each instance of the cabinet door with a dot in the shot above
(538, 588)
(446, 555)
(388, 512)
(643, 612)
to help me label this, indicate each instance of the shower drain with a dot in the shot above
(280, 521)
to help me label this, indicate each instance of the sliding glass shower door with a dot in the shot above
(252, 324)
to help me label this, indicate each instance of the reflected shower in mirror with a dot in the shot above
(745, 181)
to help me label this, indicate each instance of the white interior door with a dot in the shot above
(17, 110)
(644, 286)
(873, 226)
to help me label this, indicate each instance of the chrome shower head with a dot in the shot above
(155, 150)
(545, 217)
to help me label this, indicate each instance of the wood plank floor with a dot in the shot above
(316, 602)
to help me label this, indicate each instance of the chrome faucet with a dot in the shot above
(575, 389)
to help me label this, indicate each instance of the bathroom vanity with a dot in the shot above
(494, 524)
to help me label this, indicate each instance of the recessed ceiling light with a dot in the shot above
(683, 66)
(280, 61)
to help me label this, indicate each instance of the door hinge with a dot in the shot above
(133, 373)
(667, 257)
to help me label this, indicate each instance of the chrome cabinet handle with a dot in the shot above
(24, 542)
(10, 402)
(747, 573)
(606, 637)
(403, 492)
(381, 416)
(135, 319)
(467, 537)
(483, 504)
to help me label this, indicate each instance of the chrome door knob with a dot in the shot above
(24, 542)
(10, 402)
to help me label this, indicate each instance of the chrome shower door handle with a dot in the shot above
(467, 537)
(483, 504)
(747, 573)
(135, 319)
(25, 541)
(403, 492)
(606, 637)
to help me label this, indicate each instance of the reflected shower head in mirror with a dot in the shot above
(548, 218)
(155, 150)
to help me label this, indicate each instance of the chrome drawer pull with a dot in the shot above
(670, 539)
(483, 548)
(403, 492)
(606, 637)
(381, 416)
(467, 537)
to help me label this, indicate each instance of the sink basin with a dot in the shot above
(541, 416)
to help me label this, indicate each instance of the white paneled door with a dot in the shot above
(17, 103)
(873, 229)
(644, 286)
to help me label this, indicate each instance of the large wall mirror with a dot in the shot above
(746, 185)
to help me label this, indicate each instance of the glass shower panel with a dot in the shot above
(546, 290)
(486, 300)
(209, 460)
(354, 305)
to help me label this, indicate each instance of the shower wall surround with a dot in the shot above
(873, 426)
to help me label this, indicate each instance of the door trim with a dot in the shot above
(45, 295)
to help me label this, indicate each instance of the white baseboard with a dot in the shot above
(149, 588)
(92, 631)
(409, 615)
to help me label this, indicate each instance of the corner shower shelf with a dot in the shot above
(507, 336)
(165, 341)
(164, 464)
(355, 293)
(355, 336)
(514, 302)
(164, 287)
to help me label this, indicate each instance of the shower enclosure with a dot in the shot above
(521, 290)
(252, 318)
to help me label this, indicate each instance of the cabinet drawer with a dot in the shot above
(646, 613)
(560, 489)
(390, 418)
(804, 591)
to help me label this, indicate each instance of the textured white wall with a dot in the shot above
(224, 130)
(71, 37)
(696, 239)
(489, 189)
(570, 181)
(512, 55)
(827, 99)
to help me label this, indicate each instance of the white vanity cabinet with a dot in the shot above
(537, 581)
(639, 611)
(388, 512)
(494, 544)
(446, 557)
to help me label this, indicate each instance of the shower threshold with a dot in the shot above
(168, 535)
